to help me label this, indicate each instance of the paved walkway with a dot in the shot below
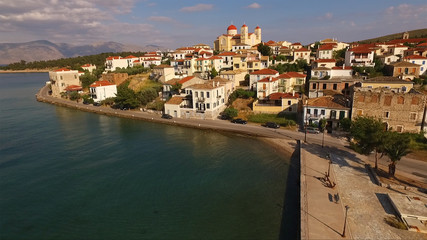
(368, 203)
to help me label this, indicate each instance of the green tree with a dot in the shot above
(396, 145)
(214, 73)
(146, 95)
(176, 88)
(87, 79)
(230, 112)
(264, 49)
(126, 97)
(345, 124)
(322, 124)
(87, 99)
(368, 135)
(74, 96)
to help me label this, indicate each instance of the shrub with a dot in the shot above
(230, 112)
(264, 117)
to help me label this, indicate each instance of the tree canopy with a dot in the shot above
(264, 50)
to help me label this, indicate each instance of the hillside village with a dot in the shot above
(328, 79)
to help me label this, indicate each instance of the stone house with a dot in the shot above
(400, 111)
(332, 108)
(61, 79)
(404, 70)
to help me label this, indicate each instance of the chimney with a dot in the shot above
(293, 93)
(271, 79)
(343, 67)
(213, 83)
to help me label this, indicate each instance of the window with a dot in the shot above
(324, 86)
(196, 94)
(399, 128)
(415, 101)
(386, 114)
(333, 114)
(207, 94)
(322, 111)
(335, 86)
(361, 98)
(60, 77)
(413, 116)
(400, 100)
(342, 114)
(308, 111)
(314, 86)
(289, 102)
(359, 112)
(208, 106)
(346, 85)
(374, 98)
(387, 100)
(316, 112)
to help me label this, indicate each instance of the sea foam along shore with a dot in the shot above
(284, 145)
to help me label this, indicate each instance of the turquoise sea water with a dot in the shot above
(66, 174)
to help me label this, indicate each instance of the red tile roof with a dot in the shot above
(175, 100)
(101, 84)
(130, 56)
(87, 65)
(292, 75)
(415, 57)
(297, 43)
(325, 60)
(326, 47)
(279, 96)
(113, 57)
(73, 88)
(422, 44)
(265, 71)
(325, 101)
(62, 70)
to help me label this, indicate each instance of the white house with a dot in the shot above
(113, 62)
(420, 60)
(261, 74)
(205, 100)
(89, 67)
(325, 51)
(331, 108)
(266, 86)
(227, 59)
(101, 90)
(362, 56)
(343, 71)
(302, 54)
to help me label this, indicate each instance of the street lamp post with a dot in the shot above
(323, 138)
(345, 220)
(306, 122)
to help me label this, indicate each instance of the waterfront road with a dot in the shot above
(415, 169)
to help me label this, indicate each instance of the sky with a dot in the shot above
(178, 23)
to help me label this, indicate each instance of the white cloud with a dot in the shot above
(407, 11)
(197, 8)
(160, 19)
(254, 5)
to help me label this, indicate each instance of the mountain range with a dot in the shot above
(45, 50)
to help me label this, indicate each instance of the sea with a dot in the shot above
(67, 174)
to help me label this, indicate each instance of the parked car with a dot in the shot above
(271, 125)
(313, 130)
(239, 121)
(96, 104)
(166, 116)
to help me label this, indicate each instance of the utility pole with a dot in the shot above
(345, 220)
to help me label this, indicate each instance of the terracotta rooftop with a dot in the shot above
(180, 81)
(327, 102)
(265, 71)
(175, 100)
(73, 88)
(404, 64)
(302, 50)
(292, 75)
(385, 79)
(325, 60)
(415, 57)
(162, 66)
(227, 54)
(278, 96)
(62, 70)
(101, 84)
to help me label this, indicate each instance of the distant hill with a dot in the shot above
(45, 50)
(419, 33)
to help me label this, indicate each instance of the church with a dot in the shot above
(225, 42)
